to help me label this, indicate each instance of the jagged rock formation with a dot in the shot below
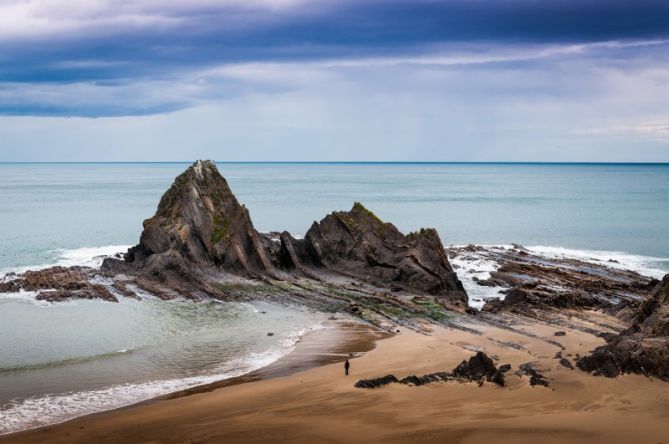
(643, 348)
(199, 222)
(200, 225)
(357, 243)
(201, 243)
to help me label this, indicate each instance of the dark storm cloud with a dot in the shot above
(174, 41)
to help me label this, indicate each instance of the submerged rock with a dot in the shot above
(643, 348)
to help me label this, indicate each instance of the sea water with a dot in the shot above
(63, 360)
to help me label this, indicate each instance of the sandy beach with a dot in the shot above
(322, 405)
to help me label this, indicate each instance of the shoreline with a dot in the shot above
(338, 340)
(320, 404)
(331, 343)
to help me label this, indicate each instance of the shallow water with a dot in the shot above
(66, 359)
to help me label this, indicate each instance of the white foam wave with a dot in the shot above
(479, 269)
(25, 296)
(85, 256)
(644, 265)
(55, 408)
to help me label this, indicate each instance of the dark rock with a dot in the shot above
(58, 284)
(480, 367)
(607, 336)
(199, 222)
(560, 333)
(643, 348)
(472, 311)
(534, 282)
(122, 288)
(499, 375)
(93, 291)
(536, 378)
(357, 243)
(425, 379)
(200, 229)
(504, 368)
(376, 382)
(564, 362)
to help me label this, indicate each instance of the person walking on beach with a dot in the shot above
(347, 365)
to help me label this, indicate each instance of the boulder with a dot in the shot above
(481, 367)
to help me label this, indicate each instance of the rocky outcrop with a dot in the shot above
(643, 348)
(200, 223)
(58, 284)
(479, 368)
(531, 281)
(201, 243)
(376, 382)
(200, 228)
(358, 244)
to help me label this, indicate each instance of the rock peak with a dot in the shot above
(200, 221)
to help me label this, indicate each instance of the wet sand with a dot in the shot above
(321, 405)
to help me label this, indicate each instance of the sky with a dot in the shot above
(326, 80)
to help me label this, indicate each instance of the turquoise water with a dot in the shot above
(59, 361)
(47, 207)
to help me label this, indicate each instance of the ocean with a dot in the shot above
(58, 361)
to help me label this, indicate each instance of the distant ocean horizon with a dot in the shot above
(64, 360)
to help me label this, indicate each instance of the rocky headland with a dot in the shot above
(201, 244)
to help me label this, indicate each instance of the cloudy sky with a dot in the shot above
(335, 80)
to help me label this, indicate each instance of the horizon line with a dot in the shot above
(363, 162)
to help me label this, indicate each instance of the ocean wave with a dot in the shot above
(66, 361)
(480, 269)
(85, 256)
(645, 265)
(49, 409)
